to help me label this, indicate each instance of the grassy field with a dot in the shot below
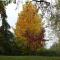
(28, 58)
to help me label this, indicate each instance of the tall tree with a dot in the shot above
(6, 37)
(56, 18)
(29, 28)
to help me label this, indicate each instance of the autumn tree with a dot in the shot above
(29, 28)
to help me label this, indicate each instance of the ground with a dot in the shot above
(28, 58)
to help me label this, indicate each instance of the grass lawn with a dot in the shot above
(28, 58)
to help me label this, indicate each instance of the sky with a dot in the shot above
(0, 20)
(12, 11)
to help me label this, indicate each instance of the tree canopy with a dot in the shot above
(29, 27)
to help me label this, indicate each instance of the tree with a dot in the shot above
(29, 28)
(6, 37)
(56, 19)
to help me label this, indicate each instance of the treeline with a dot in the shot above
(29, 33)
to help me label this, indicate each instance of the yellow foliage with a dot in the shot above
(28, 20)
(29, 27)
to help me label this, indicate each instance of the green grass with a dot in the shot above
(28, 58)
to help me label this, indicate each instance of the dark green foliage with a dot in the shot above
(6, 2)
(7, 43)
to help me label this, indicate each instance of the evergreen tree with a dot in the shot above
(6, 37)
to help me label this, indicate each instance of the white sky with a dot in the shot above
(12, 13)
(0, 20)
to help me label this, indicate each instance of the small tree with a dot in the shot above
(29, 28)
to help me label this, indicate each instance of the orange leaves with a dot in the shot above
(28, 19)
(29, 25)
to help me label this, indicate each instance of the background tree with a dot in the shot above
(6, 37)
(29, 28)
(56, 19)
